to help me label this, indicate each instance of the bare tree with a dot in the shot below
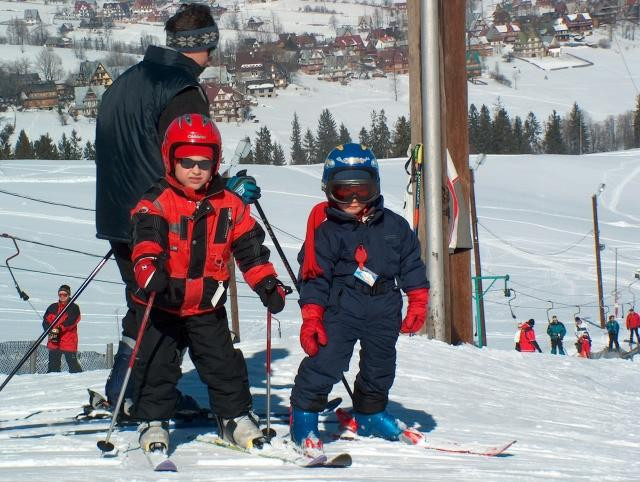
(49, 64)
(275, 22)
(333, 23)
(17, 32)
(39, 35)
(19, 66)
(146, 40)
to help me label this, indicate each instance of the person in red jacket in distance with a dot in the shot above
(633, 325)
(63, 338)
(528, 341)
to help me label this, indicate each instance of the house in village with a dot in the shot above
(93, 73)
(529, 45)
(507, 33)
(480, 45)
(32, 16)
(116, 11)
(217, 74)
(142, 8)
(13, 84)
(226, 104)
(58, 42)
(349, 42)
(39, 95)
(260, 88)
(254, 23)
(311, 61)
(560, 31)
(87, 100)
(84, 8)
(249, 66)
(580, 23)
(393, 61)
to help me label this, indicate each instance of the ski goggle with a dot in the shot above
(187, 163)
(345, 192)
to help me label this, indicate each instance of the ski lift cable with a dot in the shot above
(52, 203)
(555, 253)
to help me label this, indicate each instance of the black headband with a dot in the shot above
(194, 40)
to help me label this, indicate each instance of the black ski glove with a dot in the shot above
(272, 292)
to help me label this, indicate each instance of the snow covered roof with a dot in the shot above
(265, 85)
(502, 28)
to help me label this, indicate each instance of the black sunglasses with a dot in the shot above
(187, 163)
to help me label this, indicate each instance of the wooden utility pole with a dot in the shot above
(453, 28)
(453, 92)
(596, 237)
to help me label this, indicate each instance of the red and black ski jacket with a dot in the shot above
(68, 326)
(196, 233)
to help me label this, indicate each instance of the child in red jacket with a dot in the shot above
(528, 341)
(185, 229)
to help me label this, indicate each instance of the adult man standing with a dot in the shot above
(556, 331)
(63, 338)
(633, 325)
(134, 114)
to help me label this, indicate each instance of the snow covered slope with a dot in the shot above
(573, 418)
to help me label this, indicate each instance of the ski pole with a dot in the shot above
(289, 270)
(105, 445)
(270, 432)
(33, 347)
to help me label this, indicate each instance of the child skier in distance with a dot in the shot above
(528, 341)
(583, 339)
(356, 257)
(185, 229)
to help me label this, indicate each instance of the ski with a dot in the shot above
(65, 433)
(160, 461)
(411, 436)
(282, 451)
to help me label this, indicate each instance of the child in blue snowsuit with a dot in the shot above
(356, 257)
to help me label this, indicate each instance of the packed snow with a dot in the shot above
(573, 418)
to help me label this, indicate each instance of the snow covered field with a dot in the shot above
(573, 418)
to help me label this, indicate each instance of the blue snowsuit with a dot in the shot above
(354, 310)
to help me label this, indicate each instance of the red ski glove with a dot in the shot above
(150, 274)
(416, 311)
(312, 332)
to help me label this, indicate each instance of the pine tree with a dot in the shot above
(343, 136)
(577, 134)
(401, 138)
(264, 147)
(532, 132)
(327, 136)
(89, 152)
(76, 148)
(520, 145)
(278, 155)
(636, 123)
(553, 142)
(363, 137)
(297, 152)
(474, 127)
(44, 148)
(379, 135)
(24, 148)
(5, 141)
(64, 147)
(485, 134)
(502, 136)
(309, 146)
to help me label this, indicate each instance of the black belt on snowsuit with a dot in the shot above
(380, 287)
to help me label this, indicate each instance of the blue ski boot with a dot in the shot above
(304, 431)
(381, 424)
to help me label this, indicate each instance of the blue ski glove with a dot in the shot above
(244, 186)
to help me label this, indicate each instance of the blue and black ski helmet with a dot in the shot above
(350, 163)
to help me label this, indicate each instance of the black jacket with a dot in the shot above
(133, 114)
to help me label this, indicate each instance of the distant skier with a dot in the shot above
(528, 341)
(185, 229)
(133, 117)
(556, 331)
(583, 339)
(613, 328)
(63, 338)
(356, 257)
(633, 325)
